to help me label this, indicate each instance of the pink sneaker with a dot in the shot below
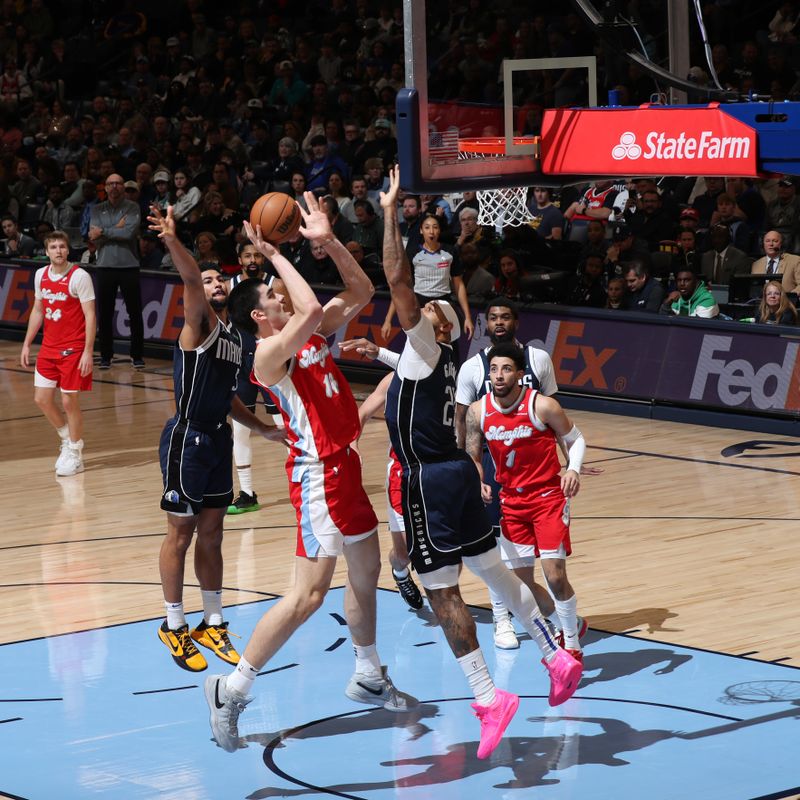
(494, 720)
(565, 675)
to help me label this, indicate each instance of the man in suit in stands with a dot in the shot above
(776, 262)
(723, 260)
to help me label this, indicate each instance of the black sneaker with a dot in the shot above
(409, 591)
(243, 503)
(105, 363)
(138, 363)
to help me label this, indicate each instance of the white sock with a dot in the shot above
(241, 679)
(76, 445)
(477, 673)
(517, 596)
(175, 616)
(63, 431)
(400, 574)
(367, 659)
(567, 611)
(245, 475)
(499, 610)
(212, 606)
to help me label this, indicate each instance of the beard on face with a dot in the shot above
(253, 270)
(218, 303)
(506, 336)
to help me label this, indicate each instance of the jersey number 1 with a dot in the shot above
(331, 386)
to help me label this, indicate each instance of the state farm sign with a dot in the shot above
(644, 141)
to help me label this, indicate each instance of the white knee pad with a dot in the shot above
(442, 578)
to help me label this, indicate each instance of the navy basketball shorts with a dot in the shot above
(196, 466)
(444, 515)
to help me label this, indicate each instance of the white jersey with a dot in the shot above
(473, 377)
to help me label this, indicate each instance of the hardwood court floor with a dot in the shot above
(680, 539)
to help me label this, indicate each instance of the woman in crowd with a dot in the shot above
(507, 283)
(776, 308)
(339, 190)
(547, 219)
(187, 198)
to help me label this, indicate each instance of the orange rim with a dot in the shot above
(495, 145)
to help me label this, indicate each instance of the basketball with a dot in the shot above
(277, 214)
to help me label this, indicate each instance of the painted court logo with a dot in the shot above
(627, 147)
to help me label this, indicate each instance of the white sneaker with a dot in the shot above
(225, 706)
(379, 691)
(72, 463)
(63, 455)
(505, 638)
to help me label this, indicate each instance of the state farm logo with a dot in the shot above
(660, 146)
(627, 147)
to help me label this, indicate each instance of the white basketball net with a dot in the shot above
(501, 207)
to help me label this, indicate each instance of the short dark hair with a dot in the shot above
(9, 216)
(508, 350)
(638, 267)
(243, 298)
(503, 302)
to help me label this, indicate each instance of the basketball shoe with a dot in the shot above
(243, 503)
(494, 720)
(565, 675)
(379, 692)
(215, 638)
(583, 626)
(225, 706)
(63, 455)
(409, 591)
(184, 651)
(71, 460)
(505, 637)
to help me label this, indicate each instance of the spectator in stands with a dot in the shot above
(706, 203)
(596, 244)
(151, 254)
(338, 189)
(205, 248)
(368, 230)
(296, 188)
(748, 200)
(508, 282)
(288, 91)
(728, 213)
(41, 230)
(775, 261)
(225, 223)
(692, 298)
(26, 188)
(616, 293)
(342, 228)
(775, 307)
(322, 164)
(645, 293)
(383, 145)
(163, 196)
(587, 287)
(316, 266)
(624, 248)
(371, 264)
(477, 279)
(723, 260)
(597, 202)
(783, 214)
(376, 179)
(187, 198)
(287, 163)
(471, 232)
(687, 255)
(350, 148)
(651, 223)
(358, 186)
(547, 219)
(56, 211)
(15, 243)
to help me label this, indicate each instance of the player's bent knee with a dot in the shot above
(484, 562)
(442, 578)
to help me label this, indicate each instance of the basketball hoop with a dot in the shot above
(506, 205)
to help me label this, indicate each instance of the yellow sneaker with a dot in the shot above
(215, 638)
(184, 651)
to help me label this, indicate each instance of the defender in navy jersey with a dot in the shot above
(195, 454)
(444, 517)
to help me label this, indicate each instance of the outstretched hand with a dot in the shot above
(161, 223)
(267, 249)
(316, 224)
(389, 199)
(364, 347)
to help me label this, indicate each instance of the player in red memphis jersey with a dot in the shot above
(334, 515)
(64, 302)
(519, 426)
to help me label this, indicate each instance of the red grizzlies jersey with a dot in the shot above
(523, 448)
(64, 322)
(315, 401)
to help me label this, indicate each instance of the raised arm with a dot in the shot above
(395, 262)
(273, 353)
(197, 312)
(358, 288)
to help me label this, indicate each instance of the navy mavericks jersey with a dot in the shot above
(205, 378)
(420, 414)
(529, 379)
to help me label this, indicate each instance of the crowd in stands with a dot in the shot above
(206, 106)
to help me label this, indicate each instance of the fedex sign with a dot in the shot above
(737, 382)
(658, 140)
